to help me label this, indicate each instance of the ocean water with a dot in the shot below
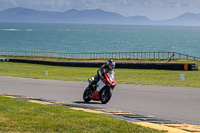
(77, 38)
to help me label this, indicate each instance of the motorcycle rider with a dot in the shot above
(106, 68)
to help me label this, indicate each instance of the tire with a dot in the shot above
(86, 94)
(106, 95)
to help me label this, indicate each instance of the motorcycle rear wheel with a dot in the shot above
(105, 96)
(86, 94)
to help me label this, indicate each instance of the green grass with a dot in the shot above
(22, 116)
(159, 77)
(125, 76)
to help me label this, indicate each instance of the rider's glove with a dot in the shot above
(100, 76)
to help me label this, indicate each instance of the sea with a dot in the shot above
(91, 38)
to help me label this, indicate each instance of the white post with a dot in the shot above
(46, 72)
(182, 77)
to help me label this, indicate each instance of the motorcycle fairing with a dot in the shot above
(100, 85)
(95, 96)
(109, 79)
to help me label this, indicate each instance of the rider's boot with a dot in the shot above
(95, 96)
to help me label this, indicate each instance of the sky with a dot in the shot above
(153, 9)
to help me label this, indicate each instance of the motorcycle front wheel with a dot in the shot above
(106, 95)
(86, 94)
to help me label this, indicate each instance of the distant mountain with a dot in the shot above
(187, 19)
(26, 15)
(96, 16)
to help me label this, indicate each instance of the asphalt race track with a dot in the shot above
(180, 104)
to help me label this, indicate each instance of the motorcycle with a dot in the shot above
(105, 93)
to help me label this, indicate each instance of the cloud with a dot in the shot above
(11, 3)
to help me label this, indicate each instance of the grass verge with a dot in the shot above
(23, 116)
(125, 76)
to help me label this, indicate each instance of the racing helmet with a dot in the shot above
(111, 64)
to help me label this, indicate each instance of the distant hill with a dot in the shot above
(26, 15)
(96, 16)
(186, 19)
